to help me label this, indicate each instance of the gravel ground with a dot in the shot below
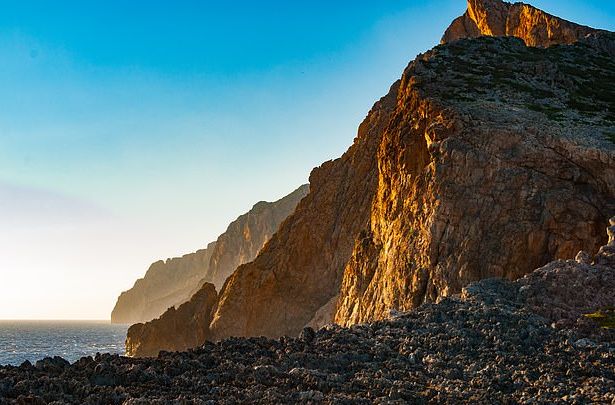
(482, 347)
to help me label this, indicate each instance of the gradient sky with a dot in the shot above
(134, 131)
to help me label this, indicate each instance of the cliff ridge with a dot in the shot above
(174, 281)
(498, 18)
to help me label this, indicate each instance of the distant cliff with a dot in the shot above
(245, 237)
(171, 283)
(166, 284)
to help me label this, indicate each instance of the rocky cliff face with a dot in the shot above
(498, 18)
(493, 150)
(173, 282)
(487, 159)
(301, 268)
(473, 166)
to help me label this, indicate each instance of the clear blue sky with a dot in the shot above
(132, 131)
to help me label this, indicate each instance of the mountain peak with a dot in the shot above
(498, 18)
(489, 15)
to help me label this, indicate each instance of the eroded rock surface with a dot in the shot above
(488, 159)
(171, 283)
(499, 18)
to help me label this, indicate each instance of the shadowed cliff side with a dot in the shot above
(177, 329)
(499, 18)
(171, 283)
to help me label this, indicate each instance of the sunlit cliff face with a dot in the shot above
(498, 18)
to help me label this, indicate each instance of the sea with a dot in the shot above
(35, 340)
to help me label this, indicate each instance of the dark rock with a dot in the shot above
(307, 335)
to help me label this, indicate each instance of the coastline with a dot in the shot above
(492, 344)
(33, 340)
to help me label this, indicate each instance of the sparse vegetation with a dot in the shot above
(551, 112)
(605, 317)
(563, 82)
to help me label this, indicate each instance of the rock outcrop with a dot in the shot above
(499, 18)
(177, 329)
(172, 282)
(497, 160)
(473, 166)
(565, 292)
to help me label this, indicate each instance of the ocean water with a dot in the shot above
(34, 340)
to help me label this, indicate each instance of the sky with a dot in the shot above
(137, 131)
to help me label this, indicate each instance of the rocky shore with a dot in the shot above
(527, 341)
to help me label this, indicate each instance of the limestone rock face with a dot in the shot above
(171, 283)
(497, 160)
(488, 158)
(499, 18)
(177, 329)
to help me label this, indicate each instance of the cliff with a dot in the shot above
(471, 167)
(246, 236)
(300, 269)
(499, 18)
(492, 151)
(165, 284)
(170, 283)
(488, 158)
(308, 251)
